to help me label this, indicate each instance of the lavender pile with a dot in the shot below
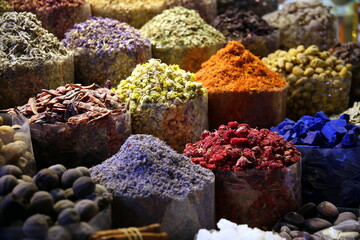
(31, 59)
(57, 16)
(350, 53)
(106, 49)
(57, 203)
(151, 183)
(248, 28)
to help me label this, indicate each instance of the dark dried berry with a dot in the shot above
(42, 202)
(7, 184)
(69, 177)
(58, 233)
(307, 210)
(68, 216)
(294, 218)
(26, 178)
(345, 216)
(58, 194)
(83, 186)
(10, 170)
(46, 179)
(84, 170)
(87, 209)
(25, 190)
(328, 210)
(69, 193)
(63, 204)
(80, 231)
(37, 226)
(312, 225)
(12, 208)
(59, 169)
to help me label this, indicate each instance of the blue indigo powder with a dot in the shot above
(320, 131)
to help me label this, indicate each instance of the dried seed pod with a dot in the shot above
(83, 186)
(84, 170)
(58, 233)
(6, 134)
(59, 169)
(70, 176)
(58, 194)
(11, 152)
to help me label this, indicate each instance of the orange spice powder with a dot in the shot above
(235, 69)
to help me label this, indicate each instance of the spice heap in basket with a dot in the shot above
(257, 173)
(76, 125)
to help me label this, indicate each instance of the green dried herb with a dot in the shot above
(178, 27)
(155, 82)
(24, 41)
(5, 6)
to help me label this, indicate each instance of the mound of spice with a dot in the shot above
(257, 173)
(166, 102)
(249, 29)
(106, 49)
(242, 88)
(304, 22)
(313, 76)
(57, 16)
(260, 7)
(150, 183)
(350, 53)
(76, 125)
(31, 59)
(180, 36)
(330, 149)
(5, 6)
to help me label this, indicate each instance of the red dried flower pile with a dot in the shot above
(237, 147)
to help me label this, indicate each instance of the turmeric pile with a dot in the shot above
(235, 69)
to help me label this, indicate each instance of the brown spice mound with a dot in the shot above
(235, 69)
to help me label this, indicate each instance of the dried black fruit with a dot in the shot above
(59, 169)
(42, 202)
(63, 204)
(7, 183)
(70, 176)
(25, 190)
(58, 233)
(36, 226)
(83, 186)
(58, 194)
(10, 170)
(12, 208)
(87, 209)
(46, 179)
(80, 231)
(68, 216)
(84, 170)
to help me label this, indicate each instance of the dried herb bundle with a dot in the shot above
(31, 59)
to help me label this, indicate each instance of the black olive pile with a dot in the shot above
(57, 203)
